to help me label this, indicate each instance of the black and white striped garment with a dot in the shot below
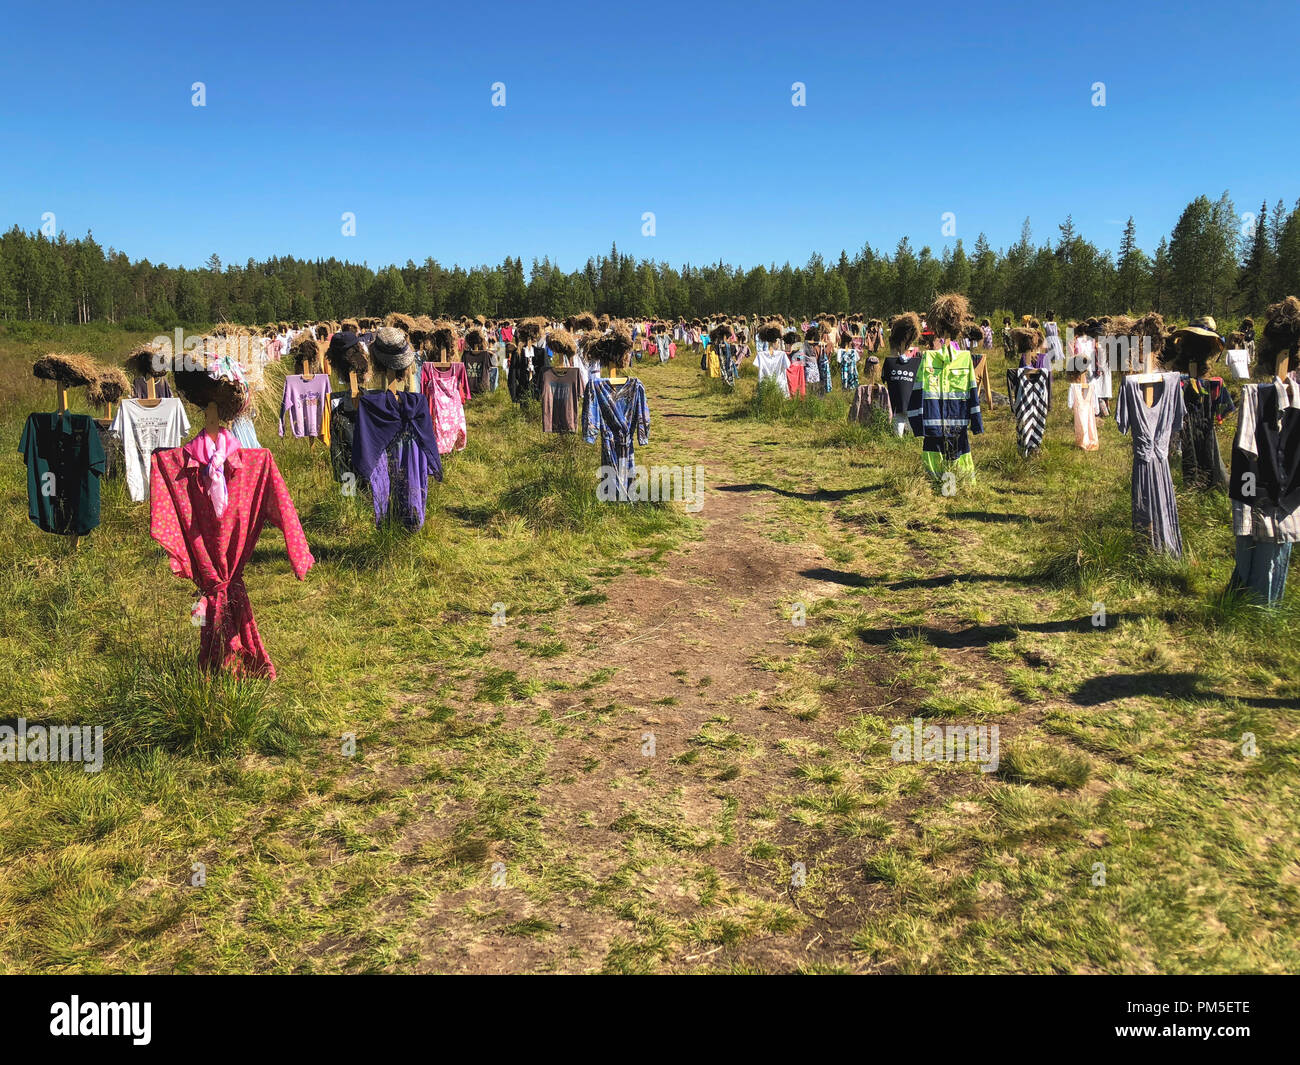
(1028, 391)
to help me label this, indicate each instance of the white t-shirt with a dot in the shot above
(774, 365)
(1238, 362)
(144, 430)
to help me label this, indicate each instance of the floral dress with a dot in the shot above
(447, 390)
(848, 360)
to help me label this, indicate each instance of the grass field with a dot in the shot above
(651, 766)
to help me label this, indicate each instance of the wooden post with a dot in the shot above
(353, 386)
(62, 389)
(211, 421)
(985, 390)
(1149, 390)
(151, 399)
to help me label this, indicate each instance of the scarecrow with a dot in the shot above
(1206, 400)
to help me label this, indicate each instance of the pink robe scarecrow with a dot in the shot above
(187, 488)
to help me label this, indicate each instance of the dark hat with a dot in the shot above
(347, 354)
(1202, 327)
(391, 349)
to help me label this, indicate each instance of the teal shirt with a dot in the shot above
(65, 460)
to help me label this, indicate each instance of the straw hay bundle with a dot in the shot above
(475, 339)
(584, 321)
(613, 348)
(530, 330)
(1281, 336)
(562, 342)
(397, 320)
(421, 327)
(200, 389)
(442, 340)
(306, 349)
(947, 315)
(1118, 325)
(109, 387)
(770, 332)
(72, 371)
(1024, 341)
(904, 330)
(146, 360)
(1151, 325)
(720, 334)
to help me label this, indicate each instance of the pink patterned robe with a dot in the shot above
(213, 551)
(447, 390)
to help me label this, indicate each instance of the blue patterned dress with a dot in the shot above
(620, 415)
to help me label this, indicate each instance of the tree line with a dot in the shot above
(1214, 262)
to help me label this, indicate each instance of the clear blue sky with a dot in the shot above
(683, 109)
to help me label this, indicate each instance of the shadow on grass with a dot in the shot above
(363, 555)
(839, 576)
(975, 635)
(990, 517)
(821, 495)
(1186, 686)
(856, 580)
(477, 516)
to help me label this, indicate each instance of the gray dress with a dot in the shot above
(1155, 510)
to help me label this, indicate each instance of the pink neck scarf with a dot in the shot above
(212, 455)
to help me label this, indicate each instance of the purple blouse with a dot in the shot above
(394, 450)
(304, 403)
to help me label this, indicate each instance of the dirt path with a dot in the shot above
(688, 661)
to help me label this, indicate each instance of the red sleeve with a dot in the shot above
(165, 495)
(281, 513)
